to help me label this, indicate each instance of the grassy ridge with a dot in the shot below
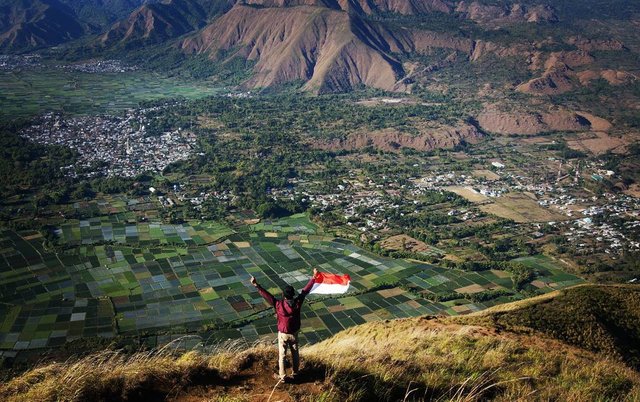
(604, 319)
(438, 360)
(408, 359)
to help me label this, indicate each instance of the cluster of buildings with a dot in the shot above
(604, 234)
(112, 145)
(14, 62)
(30, 61)
(100, 66)
(589, 237)
(445, 181)
(591, 225)
(349, 197)
(239, 95)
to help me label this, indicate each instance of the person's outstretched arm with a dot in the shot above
(305, 291)
(263, 292)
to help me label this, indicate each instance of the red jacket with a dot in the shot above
(288, 311)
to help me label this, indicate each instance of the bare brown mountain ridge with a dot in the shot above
(522, 122)
(326, 44)
(312, 44)
(392, 140)
(29, 24)
(330, 50)
(567, 70)
(159, 21)
(402, 7)
(475, 11)
(501, 15)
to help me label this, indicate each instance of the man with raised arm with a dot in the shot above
(288, 312)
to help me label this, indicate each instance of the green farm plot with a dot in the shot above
(551, 276)
(298, 223)
(32, 92)
(540, 262)
(155, 281)
(115, 229)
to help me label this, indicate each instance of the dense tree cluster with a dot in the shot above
(24, 165)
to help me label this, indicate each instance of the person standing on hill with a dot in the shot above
(288, 313)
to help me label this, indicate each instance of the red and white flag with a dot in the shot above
(327, 284)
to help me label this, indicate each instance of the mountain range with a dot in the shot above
(37, 23)
(325, 45)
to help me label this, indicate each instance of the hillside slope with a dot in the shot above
(26, 24)
(328, 50)
(101, 13)
(159, 22)
(603, 319)
(406, 359)
(402, 7)
(305, 43)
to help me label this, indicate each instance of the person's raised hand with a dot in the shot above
(253, 281)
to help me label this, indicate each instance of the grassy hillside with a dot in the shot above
(408, 359)
(603, 319)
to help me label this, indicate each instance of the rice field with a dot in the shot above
(33, 92)
(157, 281)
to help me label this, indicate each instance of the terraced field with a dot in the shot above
(113, 278)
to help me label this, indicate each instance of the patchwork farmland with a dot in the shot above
(112, 279)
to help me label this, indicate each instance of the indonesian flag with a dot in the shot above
(327, 284)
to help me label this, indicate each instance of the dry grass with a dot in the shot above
(469, 193)
(438, 360)
(520, 208)
(447, 359)
(411, 359)
(113, 375)
(486, 174)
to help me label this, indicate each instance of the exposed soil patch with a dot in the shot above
(599, 143)
(486, 174)
(403, 242)
(570, 59)
(554, 81)
(597, 123)
(255, 382)
(521, 209)
(468, 193)
(535, 123)
(633, 190)
(613, 77)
